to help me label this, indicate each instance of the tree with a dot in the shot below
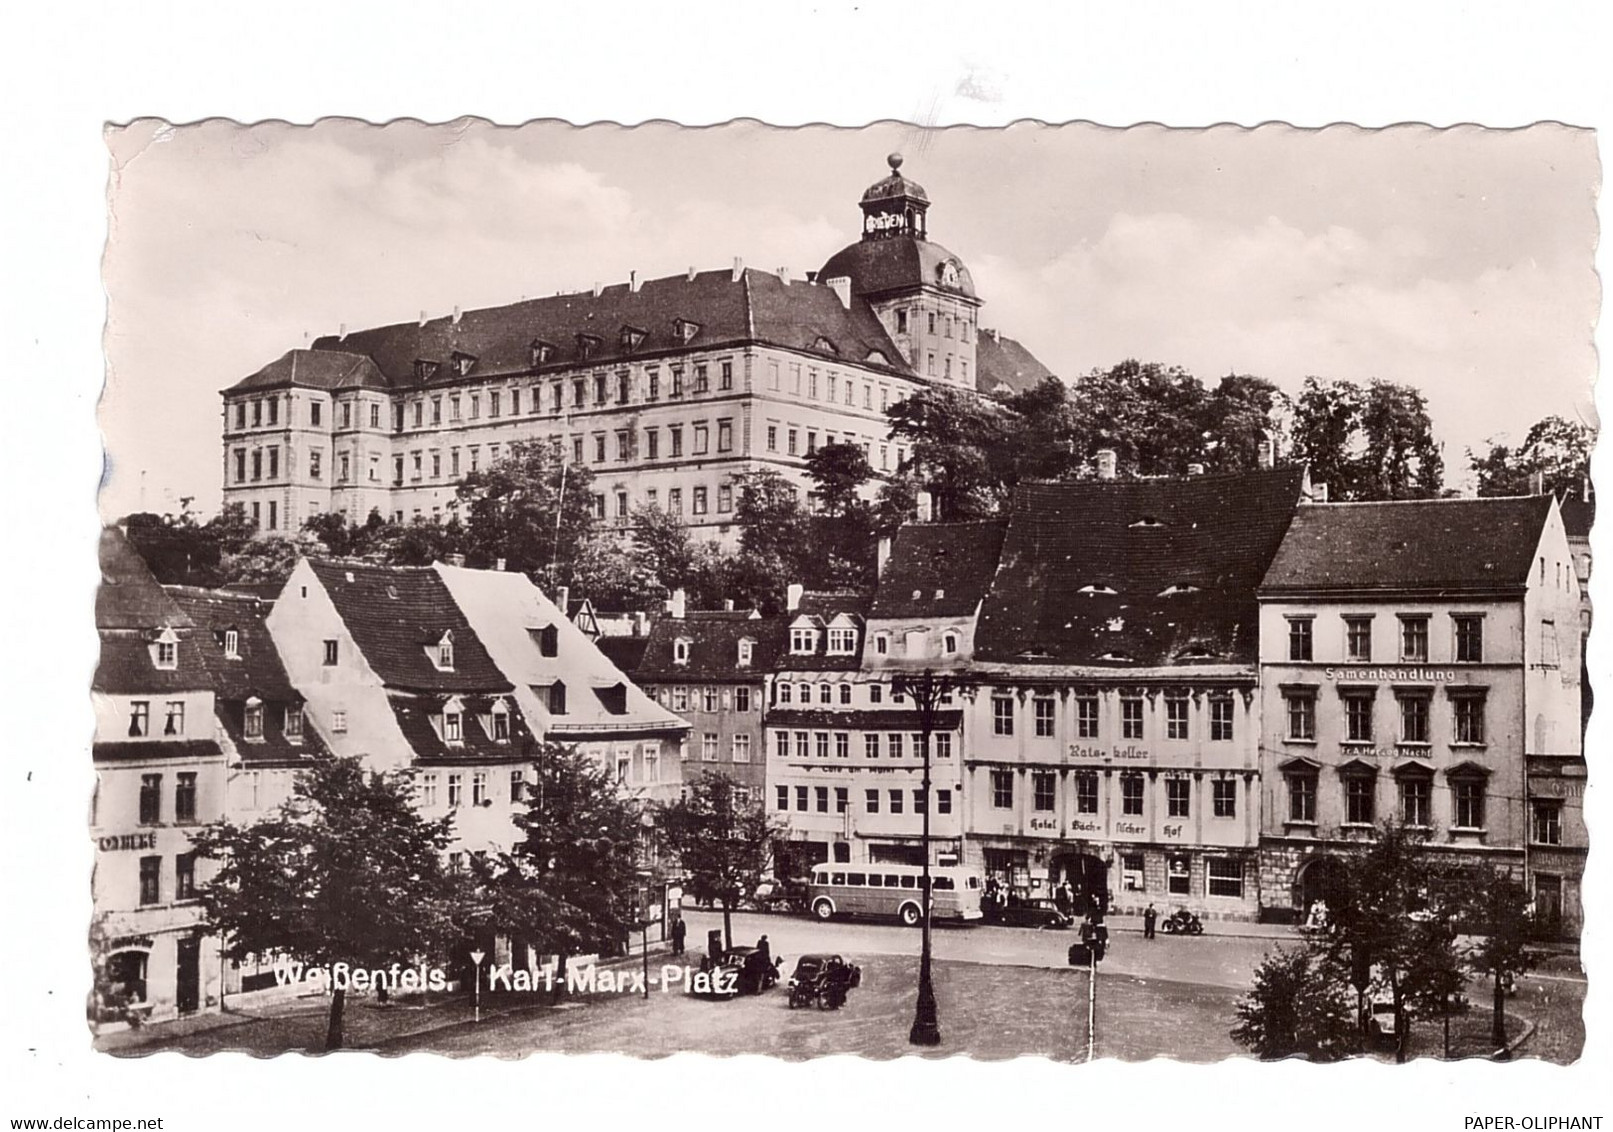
(663, 548)
(565, 887)
(1240, 417)
(724, 845)
(1496, 915)
(1151, 415)
(1375, 443)
(840, 552)
(1392, 929)
(953, 438)
(532, 509)
(346, 871)
(773, 535)
(1298, 1006)
(1555, 456)
(266, 560)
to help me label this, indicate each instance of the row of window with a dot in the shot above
(708, 699)
(151, 796)
(803, 442)
(1414, 713)
(711, 748)
(1223, 876)
(809, 799)
(1415, 796)
(151, 879)
(1467, 637)
(833, 388)
(699, 501)
(1005, 710)
(174, 719)
(895, 744)
(480, 788)
(1133, 787)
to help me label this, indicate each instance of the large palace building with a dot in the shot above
(665, 389)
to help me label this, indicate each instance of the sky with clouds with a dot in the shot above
(1459, 261)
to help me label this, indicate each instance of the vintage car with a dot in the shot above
(741, 970)
(1030, 912)
(822, 980)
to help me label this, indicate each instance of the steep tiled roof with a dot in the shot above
(126, 667)
(626, 653)
(1132, 573)
(1579, 514)
(713, 648)
(938, 569)
(330, 369)
(255, 669)
(129, 597)
(824, 608)
(760, 307)
(1001, 363)
(899, 263)
(394, 613)
(414, 715)
(1433, 544)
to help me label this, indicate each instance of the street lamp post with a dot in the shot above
(926, 689)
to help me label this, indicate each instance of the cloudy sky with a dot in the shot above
(1459, 261)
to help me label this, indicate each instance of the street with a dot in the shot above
(1002, 992)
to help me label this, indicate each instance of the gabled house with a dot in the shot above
(160, 772)
(1421, 661)
(392, 671)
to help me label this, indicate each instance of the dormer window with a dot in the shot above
(1097, 589)
(1178, 588)
(842, 641)
(463, 363)
(803, 639)
(252, 719)
(747, 649)
(442, 652)
(680, 650)
(587, 346)
(501, 722)
(540, 351)
(165, 650)
(293, 724)
(424, 370)
(1147, 522)
(632, 338)
(232, 644)
(453, 722)
(684, 330)
(557, 698)
(547, 638)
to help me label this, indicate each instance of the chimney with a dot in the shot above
(784, 276)
(728, 605)
(739, 270)
(1195, 469)
(454, 559)
(1107, 462)
(926, 506)
(884, 555)
(841, 285)
(499, 565)
(1268, 451)
(680, 604)
(341, 333)
(599, 288)
(641, 624)
(562, 598)
(632, 282)
(792, 596)
(1539, 480)
(422, 318)
(691, 273)
(456, 314)
(1319, 493)
(812, 277)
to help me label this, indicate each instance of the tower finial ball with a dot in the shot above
(894, 161)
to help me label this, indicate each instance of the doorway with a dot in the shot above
(188, 976)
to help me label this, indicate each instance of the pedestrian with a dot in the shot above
(765, 951)
(680, 931)
(1149, 918)
(1062, 897)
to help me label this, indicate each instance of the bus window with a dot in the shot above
(943, 884)
(891, 880)
(875, 881)
(909, 880)
(856, 879)
(837, 878)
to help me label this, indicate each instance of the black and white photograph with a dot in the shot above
(712, 565)
(1046, 591)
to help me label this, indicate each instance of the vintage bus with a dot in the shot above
(893, 890)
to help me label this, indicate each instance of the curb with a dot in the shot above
(1512, 1047)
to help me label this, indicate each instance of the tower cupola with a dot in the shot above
(895, 206)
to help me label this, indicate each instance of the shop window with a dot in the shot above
(1178, 877)
(1223, 877)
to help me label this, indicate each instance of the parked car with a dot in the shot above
(1380, 1022)
(780, 896)
(1031, 912)
(822, 980)
(741, 970)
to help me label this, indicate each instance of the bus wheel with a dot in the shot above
(823, 910)
(910, 914)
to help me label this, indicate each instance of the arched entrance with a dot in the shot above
(1087, 875)
(1319, 879)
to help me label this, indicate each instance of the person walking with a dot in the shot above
(1149, 918)
(680, 931)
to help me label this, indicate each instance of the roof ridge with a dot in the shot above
(1420, 502)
